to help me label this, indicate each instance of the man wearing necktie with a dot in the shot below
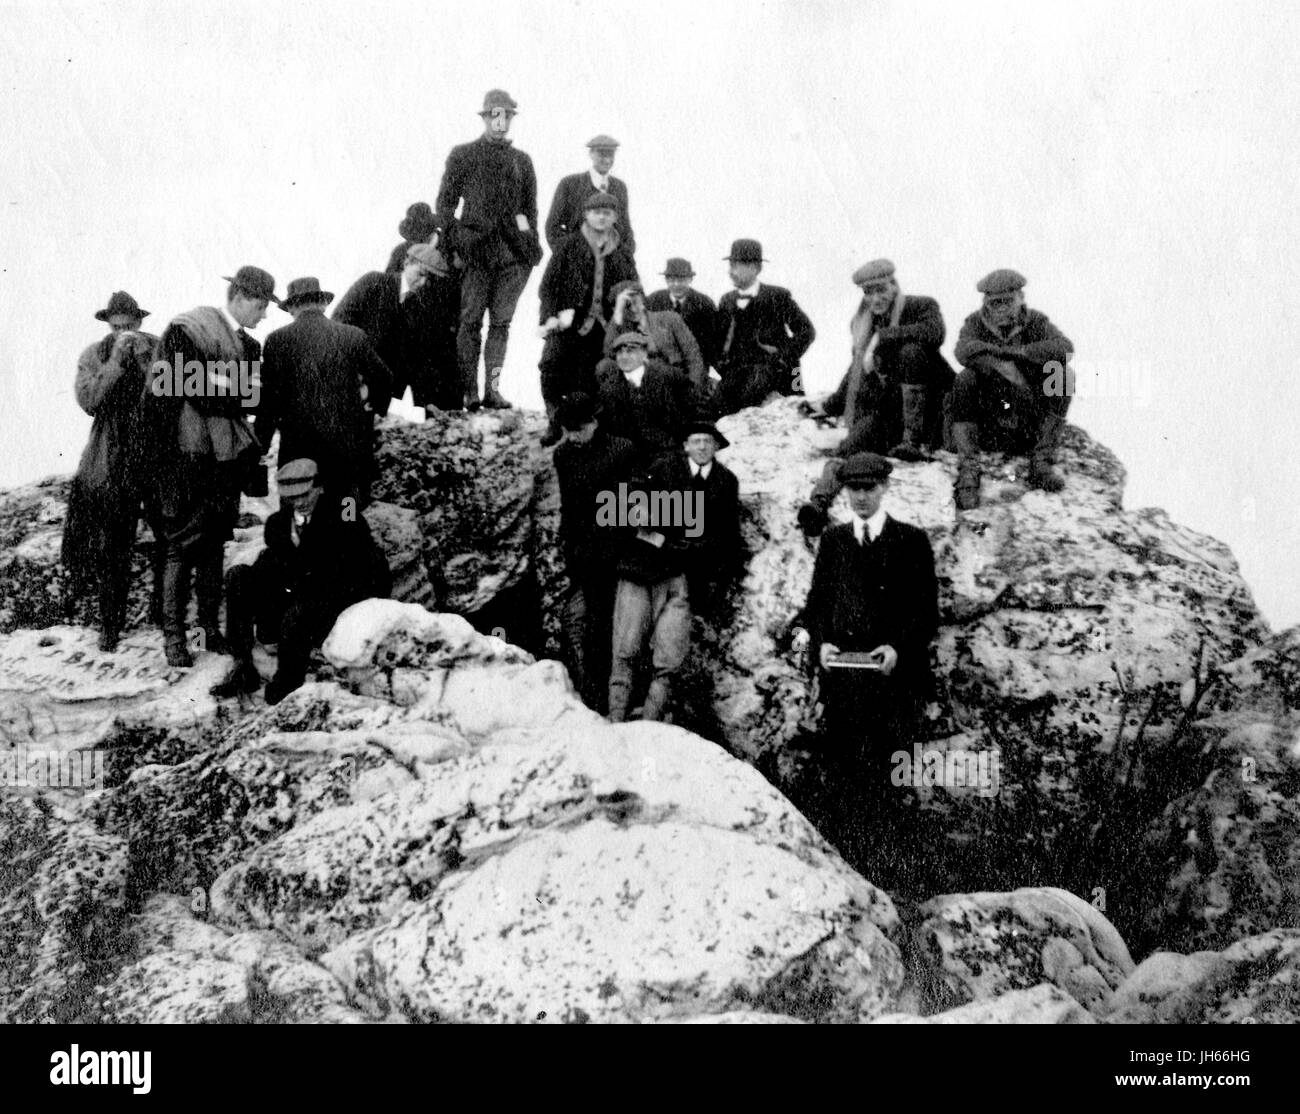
(565, 216)
(871, 614)
(696, 309)
(760, 334)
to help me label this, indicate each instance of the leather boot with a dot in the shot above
(1041, 473)
(492, 399)
(966, 492)
(158, 561)
(553, 430)
(207, 587)
(656, 699)
(912, 446)
(176, 601)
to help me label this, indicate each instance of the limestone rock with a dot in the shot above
(1043, 1004)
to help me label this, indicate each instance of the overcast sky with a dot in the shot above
(1137, 162)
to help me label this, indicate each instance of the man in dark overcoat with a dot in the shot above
(643, 400)
(696, 309)
(565, 216)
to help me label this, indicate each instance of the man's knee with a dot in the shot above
(913, 363)
(966, 396)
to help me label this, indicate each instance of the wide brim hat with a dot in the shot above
(254, 282)
(864, 470)
(745, 251)
(678, 268)
(305, 290)
(704, 425)
(120, 302)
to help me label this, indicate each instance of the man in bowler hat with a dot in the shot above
(496, 238)
(760, 334)
(565, 217)
(696, 309)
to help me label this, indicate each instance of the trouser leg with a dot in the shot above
(475, 294)
(509, 285)
(670, 643)
(631, 620)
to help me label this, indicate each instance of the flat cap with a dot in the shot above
(600, 200)
(297, 476)
(878, 270)
(1002, 281)
(430, 257)
(864, 470)
(602, 142)
(630, 340)
(677, 267)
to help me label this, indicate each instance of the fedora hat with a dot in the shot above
(498, 98)
(678, 268)
(745, 251)
(305, 290)
(121, 302)
(254, 282)
(704, 425)
(418, 224)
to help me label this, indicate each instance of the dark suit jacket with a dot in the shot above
(567, 282)
(882, 594)
(497, 183)
(312, 372)
(584, 471)
(566, 209)
(651, 417)
(772, 318)
(717, 554)
(1032, 343)
(402, 333)
(698, 311)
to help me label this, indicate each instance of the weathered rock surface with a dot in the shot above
(1043, 1004)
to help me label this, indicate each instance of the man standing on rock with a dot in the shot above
(871, 614)
(209, 449)
(643, 400)
(322, 384)
(1013, 390)
(495, 237)
(589, 462)
(565, 217)
(319, 560)
(760, 333)
(112, 479)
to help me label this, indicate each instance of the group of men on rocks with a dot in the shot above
(650, 518)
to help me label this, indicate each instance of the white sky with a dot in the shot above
(1137, 162)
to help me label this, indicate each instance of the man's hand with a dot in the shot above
(566, 318)
(549, 326)
(828, 651)
(888, 658)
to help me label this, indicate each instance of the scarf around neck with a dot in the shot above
(601, 248)
(865, 338)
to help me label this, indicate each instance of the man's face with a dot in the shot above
(305, 502)
(124, 323)
(865, 501)
(629, 358)
(701, 448)
(415, 273)
(602, 159)
(743, 274)
(600, 220)
(1004, 309)
(496, 124)
(879, 296)
(583, 434)
(677, 287)
(249, 312)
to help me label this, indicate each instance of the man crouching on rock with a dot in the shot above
(319, 560)
(871, 613)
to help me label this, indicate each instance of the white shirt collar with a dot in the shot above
(704, 471)
(749, 291)
(235, 326)
(635, 377)
(872, 525)
(596, 180)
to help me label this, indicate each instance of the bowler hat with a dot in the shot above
(628, 339)
(305, 290)
(600, 200)
(678, 268)
(255, 282)
(864, 470)
(704, 425)
(626, 284)
(576, 410)
(419, 223)
(430, 257)
(498, 98)
(296, 477)
(602, 143)
(1003, 281)
(745, 251)
(878, 270)
(120, 302)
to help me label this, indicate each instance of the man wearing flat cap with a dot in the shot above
(642, 399)
(1011, 355)
(760, 334)
(495, 236)
(410, 319)
(892, 396)
(113, 479)
(319, 559)
(322, 385)
(871, 614)
(589, 462)
(210, 448)
(696, 309)
(577, 299)
(570, 195)
(669, 338)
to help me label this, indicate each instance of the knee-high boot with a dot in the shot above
(966, 492)
(176, 601)
(912, 446)
(1041, 473)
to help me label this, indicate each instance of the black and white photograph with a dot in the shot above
(760, 513)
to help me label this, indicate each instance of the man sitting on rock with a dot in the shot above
(665, 330)
(319, 560)
(871, 613)
(1012, 389)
